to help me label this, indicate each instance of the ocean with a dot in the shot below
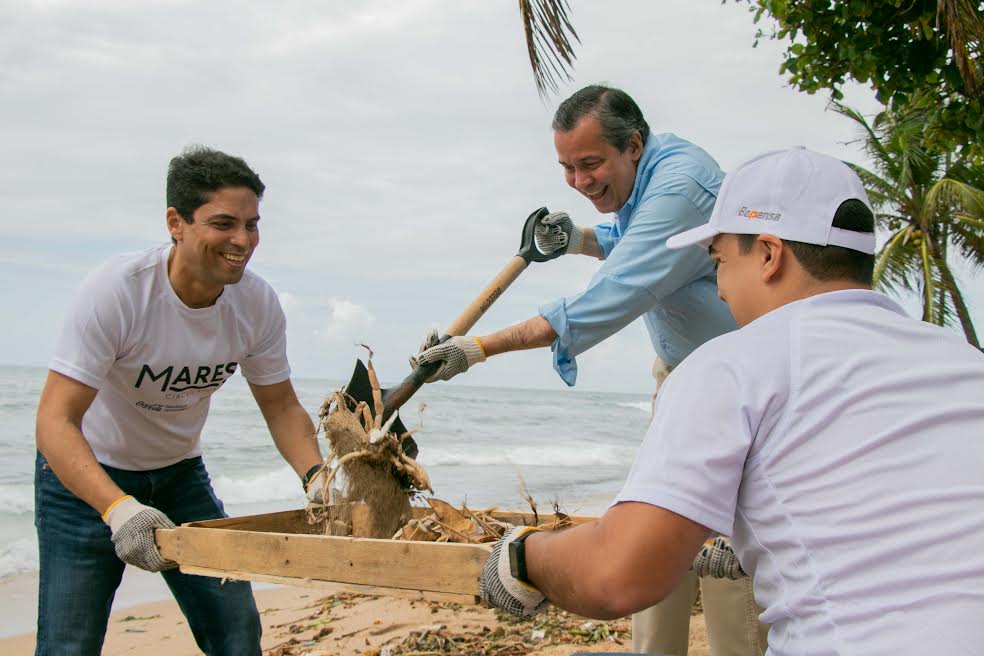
(571, 447)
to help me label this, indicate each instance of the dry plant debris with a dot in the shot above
(501, 635)
(366, 455)
(449, 524)
(514, 636)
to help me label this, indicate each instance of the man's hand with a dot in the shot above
(717, 560)
(314, 488)
(455, 355)
(133, 524)
(557, 232)
(500, 589)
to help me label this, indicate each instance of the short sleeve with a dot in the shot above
(92, 335)
(266, 363)
(693, 455)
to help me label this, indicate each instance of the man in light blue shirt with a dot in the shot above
(657, 185)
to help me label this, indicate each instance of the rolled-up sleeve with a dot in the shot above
(603, 235)
(638, 271)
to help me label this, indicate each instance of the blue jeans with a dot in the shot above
(80, 571)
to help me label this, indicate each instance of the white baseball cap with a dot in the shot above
(792, 194)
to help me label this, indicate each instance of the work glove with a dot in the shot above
(133, 525)
(557, 232)
(313, 486)
(455, 355)
(500, 589)
(717, 560)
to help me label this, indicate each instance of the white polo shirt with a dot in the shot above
(841, 444)
(156, 362)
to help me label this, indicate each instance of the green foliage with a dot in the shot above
(931, 203)
(899, 47)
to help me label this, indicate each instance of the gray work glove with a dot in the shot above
(500, 589)
(133, 524)
(455, 355)
(718, 561)
(556, 231)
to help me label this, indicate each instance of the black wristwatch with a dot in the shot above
(517, 556)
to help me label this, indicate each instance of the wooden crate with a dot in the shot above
(283, 548)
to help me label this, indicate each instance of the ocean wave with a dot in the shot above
(16, 499)
(278, 485)
(19, 556)
(570, 455)
(645, 406)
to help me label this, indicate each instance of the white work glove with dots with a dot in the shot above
(717, 560)
(557, 232)
(499, 588)
(133, 525)
(455, 355)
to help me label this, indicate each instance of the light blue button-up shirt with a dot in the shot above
(674, 290)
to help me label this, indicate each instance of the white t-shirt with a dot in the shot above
(156, 362)
(841, 444)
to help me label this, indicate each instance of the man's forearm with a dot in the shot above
(627, 560)
(72, 461)
(535, 332)
(590, 244)
(293, 433)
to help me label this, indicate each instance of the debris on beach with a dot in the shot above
(328, 628)
(365, 464)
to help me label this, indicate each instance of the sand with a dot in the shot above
(317, 623)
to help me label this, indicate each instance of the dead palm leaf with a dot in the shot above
(548, 32)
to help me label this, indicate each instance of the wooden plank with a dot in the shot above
(434, 567)
(290, 521)
(332, 586)
(294, 522)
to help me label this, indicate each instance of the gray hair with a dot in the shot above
(617, 113)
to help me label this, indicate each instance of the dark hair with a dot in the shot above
(617, 113)
(833, 262)
(199, 171)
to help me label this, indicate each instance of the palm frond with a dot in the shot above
(969, 240)
(548, 32)
(895, 261)
(961, 20)
(948, 194)
(881, 192)
(872, 143)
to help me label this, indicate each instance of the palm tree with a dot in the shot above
(931, 202)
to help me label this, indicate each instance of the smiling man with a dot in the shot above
(836, 439)
(655, 185)
(152, 335)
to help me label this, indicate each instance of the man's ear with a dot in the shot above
(773, 255)
(636, 146)
(175, 224)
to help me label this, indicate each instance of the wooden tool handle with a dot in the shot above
(487, 297)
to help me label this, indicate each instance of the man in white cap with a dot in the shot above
(847, 472)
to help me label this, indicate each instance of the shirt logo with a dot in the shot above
(183, 379)
(759, 214)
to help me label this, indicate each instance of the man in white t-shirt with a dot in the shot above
(838, 441)
(151, 336)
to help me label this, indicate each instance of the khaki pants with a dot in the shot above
(730, 611)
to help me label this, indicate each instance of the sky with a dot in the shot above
(402, 143)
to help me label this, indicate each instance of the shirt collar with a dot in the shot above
(649, 152)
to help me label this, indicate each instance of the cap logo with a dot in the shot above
(759, 214)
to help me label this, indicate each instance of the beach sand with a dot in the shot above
(300, 621)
